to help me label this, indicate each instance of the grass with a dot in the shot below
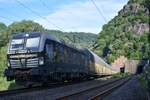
(120, 75)
(144, 78)
(144, 82)
(5, 85)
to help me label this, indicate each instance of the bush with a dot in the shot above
(144, 82)
(5, 85)
(120, 75)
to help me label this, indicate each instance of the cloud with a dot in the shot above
(82, 16)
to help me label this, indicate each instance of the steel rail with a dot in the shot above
(106, 92)
(91, 89)
(31, 89)
(38, 88)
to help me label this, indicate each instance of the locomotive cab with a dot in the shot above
(24, 47)
(26, 56)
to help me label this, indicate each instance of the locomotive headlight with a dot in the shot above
(41, 60)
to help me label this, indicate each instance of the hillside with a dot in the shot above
(126, 34)
(78, 39)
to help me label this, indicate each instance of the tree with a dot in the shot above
(2, 27)
(120, 33)
(25, 26)
(3, 34)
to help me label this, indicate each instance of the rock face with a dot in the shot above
(140, 28)
(134, 8)
(137, 27)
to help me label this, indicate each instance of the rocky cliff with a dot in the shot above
(126, 34)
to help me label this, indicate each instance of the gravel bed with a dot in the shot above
(130, 91)
(51, 94)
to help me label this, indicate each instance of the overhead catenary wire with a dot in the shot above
(99, 10)
(6, 18)
(46, 6)
(37, 14)
(10, 14)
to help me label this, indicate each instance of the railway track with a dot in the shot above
(94, 90)
(33, 89)
(98, 92)
(29, 89)
(38, 88)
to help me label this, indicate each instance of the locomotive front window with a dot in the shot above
(17, 44)
(33, 42)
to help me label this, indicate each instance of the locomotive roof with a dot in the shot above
(45, 36)
(23, 34)
(35, 34)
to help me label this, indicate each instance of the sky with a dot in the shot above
(64, 15)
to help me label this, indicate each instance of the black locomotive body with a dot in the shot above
(39, 57)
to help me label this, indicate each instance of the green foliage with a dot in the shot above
(102, 43)
(5, 85)
(129, 35)
(3, 34)
(111, 58)
(140, 16)
(3, 62)
(145, 79)
(144, 38)
(120, 75)
(25, 26)
(3, 38)
(144, 82)
(118, 34)
(2, 27)
(79, 39)
(137, 1)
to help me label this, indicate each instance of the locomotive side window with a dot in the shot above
(61, 53)
(49, 51)
(65, 55)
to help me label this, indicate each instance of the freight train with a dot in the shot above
(37, 57)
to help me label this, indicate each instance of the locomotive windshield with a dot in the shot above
(28, 43)
(17, 44)
(32, 42)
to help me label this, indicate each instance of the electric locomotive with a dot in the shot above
(35, 57)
